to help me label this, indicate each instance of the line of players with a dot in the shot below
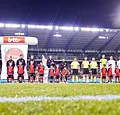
(60, 72)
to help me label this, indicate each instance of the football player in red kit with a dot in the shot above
(117, 74)
(64, 74)
(57, 73)
(31, 69)
(20, 65)
(110, 76)
(104, 73)
(51, 74)
(41, 72)
(10, 69)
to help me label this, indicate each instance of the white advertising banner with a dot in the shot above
(14, 51)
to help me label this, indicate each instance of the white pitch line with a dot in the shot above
(74, 98)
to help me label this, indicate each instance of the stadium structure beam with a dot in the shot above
(118, 47)
(50, 36)
(70, 41)
(107, 43)
(89, 44)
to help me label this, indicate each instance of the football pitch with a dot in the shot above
(59, 99)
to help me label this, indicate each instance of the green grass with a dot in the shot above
(81, 107)
(62, 108)
(20, 90)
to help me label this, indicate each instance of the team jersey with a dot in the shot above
(50, 62)
(51, 72)
(75, 65)
(10, 67)
(41, 69)
(109, 71)
(103, 62)
(62, 65)
(104, 71)
(31, 69)
(57, 71)
(10, 70)
(118, 63)
(117, 72)
(93, 65)
(112, 62)
(64, 72)
(20, 61)
(20, 69)
(85, 64)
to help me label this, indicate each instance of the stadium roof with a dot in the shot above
(66, 38)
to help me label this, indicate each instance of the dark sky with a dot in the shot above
(92, 13)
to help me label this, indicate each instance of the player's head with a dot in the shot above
(85, 58)
(50, 57)
(51, 67)
(111, 58)
(32, 57)
(75, 59)
(10, 57)
(57, 65)
(93, 59)
(63, 60)
(41, 63)
(21, 56)
(116, 66)
(103, 56)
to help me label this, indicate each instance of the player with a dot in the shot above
(31, 69)
(103, 61)
(51, 74)
(85, 66)
(110, 75)
(10, 69)
(118, 63)
(50, 62)
(104, 73)
(117, 74)
(64, 74)
(93, 67)
(57, 73)
(75, 66)
(41, 69)
(20, 65)
(112, 62)
(62, 65)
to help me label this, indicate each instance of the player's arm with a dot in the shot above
(13, 64)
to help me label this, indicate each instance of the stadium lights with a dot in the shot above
(76, 28)
(66, 28)
(2, 25)
(40, 27)
(107, 30)
(56, 27)
(57, 35)
(12, 25)
(23, 26)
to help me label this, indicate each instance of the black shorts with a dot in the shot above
(41, 75)
(117, 77)
(51, 77)
(75, 71)
(94, 71)
(10, 76)
(104, 77)
(21, 75)
(31, 74)
(57, 77)
(110, 76)
(85, 71)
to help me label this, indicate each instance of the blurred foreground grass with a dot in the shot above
(28, 89)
